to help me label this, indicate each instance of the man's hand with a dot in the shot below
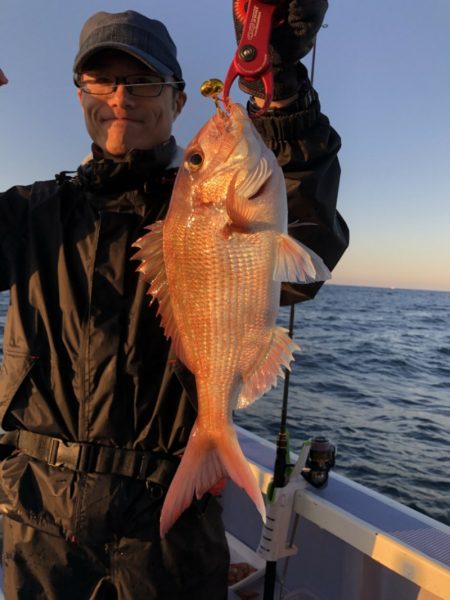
(291, 40)
(3, 78)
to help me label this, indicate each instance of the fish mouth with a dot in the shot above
(234, 129)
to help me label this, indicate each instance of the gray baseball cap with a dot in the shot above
(145, 39)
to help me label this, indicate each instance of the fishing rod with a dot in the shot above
(280, 474)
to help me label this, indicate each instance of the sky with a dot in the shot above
(383, 76)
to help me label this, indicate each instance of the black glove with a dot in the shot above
(290, 41)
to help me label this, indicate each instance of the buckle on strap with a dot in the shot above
(73, 455)
(88, 458)
(93, 458)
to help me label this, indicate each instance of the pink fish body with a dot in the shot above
(215, 265)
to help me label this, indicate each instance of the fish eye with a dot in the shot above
(194, 161)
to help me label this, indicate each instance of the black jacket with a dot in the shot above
(84, 355)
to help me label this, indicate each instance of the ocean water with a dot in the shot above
(374, 377)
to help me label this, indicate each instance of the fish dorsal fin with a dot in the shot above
(239, 204)
(268, 368)
(153, 271)
(297, 263)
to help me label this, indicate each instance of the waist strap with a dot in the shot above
(87, 457)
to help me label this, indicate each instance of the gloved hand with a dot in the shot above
(290, 41)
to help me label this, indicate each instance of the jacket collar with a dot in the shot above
(138, 169)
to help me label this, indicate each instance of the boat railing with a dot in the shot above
(401, 539)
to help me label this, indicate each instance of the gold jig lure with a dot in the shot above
(211, 88)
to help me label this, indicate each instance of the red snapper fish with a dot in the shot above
(215, 265)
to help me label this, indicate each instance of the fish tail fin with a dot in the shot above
(239, 470)
(207, 460)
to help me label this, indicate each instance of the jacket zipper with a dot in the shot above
(84, 376)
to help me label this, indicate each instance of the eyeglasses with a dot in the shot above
(148, 86)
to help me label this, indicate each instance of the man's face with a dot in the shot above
(120, 122)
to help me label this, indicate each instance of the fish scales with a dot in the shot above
(222, 274)
(215, 265)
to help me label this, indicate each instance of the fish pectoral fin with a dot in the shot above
(153, 271)
(264, 376)
(208, 458)
(240, 199)
(297, 263)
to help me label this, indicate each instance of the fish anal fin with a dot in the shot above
(296, 262)
(261, 379)
(208, 458)
(153, 271)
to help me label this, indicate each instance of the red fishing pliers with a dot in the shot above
(252, 60)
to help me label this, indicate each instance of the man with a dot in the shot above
(96, 412)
